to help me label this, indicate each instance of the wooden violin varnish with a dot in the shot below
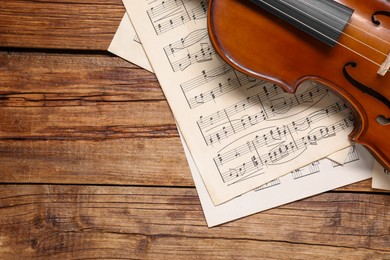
(344, 44)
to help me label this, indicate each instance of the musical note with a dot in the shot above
(286, 147)
(237, 172)
(171, 14)
(239, 122)
(239, 130)
(193, 48)
(270, 184)
(352, 156)
(232, 80)
(277, 134)
(310, 169)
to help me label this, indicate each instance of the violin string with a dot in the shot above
(332, 27)
(350, 24)
(308, 26)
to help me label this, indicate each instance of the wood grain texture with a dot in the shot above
(131, 161)
(55, 24)
(138, 223)
(85, 119)
(92, 167)
(50, 79)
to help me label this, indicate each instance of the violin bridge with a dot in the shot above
(385, 66)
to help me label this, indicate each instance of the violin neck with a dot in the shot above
(323, 19)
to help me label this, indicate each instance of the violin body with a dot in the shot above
(260, 44)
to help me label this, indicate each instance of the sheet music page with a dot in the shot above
(127, 45)
(317, 177)
(241, 132)
(380, 178)
(287, 188)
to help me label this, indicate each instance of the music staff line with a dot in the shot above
(269, 94)
(278, 134)
(310, 169)
(257, 163)
(171, 14)
(206, 77)
(351, 157)
(165, 6)
(268, 185)
(223, 88)
(300, 173)
(184, 43)
(193, 54)
(229, 126)
(230, 80)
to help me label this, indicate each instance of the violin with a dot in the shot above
(344, 44)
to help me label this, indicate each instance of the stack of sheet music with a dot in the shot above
(250, 146)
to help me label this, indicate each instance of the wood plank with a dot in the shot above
(121, 161)
(63, 96)
(160, 223)
(49, 79)
(69, 24)
(101, 121)
(85, 119)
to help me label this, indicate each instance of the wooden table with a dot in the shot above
(91, 165)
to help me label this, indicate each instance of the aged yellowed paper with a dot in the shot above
(296, 185)
(241, 132)
(127, 45)
(380, 178)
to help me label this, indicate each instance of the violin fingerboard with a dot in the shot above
(324, 19)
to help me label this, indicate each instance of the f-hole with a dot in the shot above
(375, 20)
(382, 120)
(362, 87)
